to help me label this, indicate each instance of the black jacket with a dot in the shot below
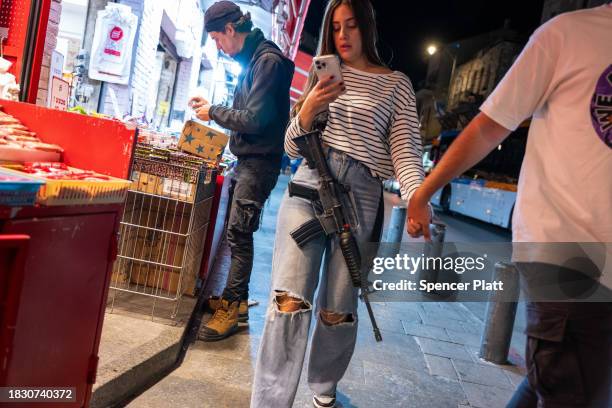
(260, 112)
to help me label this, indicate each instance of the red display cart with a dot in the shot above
(51, 332)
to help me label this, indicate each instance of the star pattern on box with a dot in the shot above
(211, 135)
(189, 138)
(199, 149)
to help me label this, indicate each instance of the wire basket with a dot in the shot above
(163, 230)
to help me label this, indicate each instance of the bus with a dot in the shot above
(487, 191)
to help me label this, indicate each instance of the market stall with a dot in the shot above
(102, 201)
(69, 209)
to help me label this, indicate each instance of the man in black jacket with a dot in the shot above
(257, 121)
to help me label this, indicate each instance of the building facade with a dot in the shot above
(451, 97)
(479, 64)
(478, 76)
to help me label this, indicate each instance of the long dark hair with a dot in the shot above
(366, 21)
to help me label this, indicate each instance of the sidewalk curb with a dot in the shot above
(122, 380)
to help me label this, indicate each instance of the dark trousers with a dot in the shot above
(255, 177)
(568, 356)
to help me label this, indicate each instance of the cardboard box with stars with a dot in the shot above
(202, 141)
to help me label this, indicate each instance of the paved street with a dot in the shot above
(428, 357)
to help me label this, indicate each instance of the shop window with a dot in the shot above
(165, 88)
(161, 96)
(66, 63)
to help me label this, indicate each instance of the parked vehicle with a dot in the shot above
(487, 191)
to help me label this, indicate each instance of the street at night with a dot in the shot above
(428, 358)
(305, 204)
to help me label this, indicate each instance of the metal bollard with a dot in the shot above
(500, 315)
(397, 224)
(433, 249)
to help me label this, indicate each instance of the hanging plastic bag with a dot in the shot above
(113, 42)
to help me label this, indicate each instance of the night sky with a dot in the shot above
(408, 28)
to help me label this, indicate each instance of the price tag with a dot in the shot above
(60, 94)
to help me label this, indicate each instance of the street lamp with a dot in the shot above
(432, 49)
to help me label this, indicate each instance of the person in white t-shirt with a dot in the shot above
(563, 80)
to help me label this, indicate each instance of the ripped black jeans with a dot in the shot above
(255, 177)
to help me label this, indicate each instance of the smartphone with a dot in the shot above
(326, 66)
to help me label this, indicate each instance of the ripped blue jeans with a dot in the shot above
(296, 272)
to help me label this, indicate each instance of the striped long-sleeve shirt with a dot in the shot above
(375, 122)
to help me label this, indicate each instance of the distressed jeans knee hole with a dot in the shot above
(329, 318)
(289, 303)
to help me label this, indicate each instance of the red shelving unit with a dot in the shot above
(54, 336)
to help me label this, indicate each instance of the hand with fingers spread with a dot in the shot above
(419, 217)
(325, 92)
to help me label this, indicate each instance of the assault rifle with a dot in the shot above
(331, 202)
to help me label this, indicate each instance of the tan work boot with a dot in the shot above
(214, 303)
(223, 323)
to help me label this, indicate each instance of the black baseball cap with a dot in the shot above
(219, 14)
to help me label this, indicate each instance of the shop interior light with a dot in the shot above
(432, 49)
(219, 74)
(236, 68)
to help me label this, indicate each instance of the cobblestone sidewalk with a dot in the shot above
(428, 358)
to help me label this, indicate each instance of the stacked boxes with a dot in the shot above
(157, 235)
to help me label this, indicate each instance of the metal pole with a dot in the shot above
(433, 249)
(396, 224)
(501, 311)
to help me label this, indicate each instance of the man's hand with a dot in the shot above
(197, 102)
(202, 113)
(419, 217)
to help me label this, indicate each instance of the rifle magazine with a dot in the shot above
(307, 232)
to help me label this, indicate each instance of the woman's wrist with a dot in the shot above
(305, 118)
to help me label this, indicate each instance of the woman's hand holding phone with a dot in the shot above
(325, 92)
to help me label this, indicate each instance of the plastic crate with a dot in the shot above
(17, 190)
(80, 192)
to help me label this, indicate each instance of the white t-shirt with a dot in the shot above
(563, 78)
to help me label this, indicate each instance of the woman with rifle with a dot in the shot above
(371, 134)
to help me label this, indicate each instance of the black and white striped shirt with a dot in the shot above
(374, 122)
